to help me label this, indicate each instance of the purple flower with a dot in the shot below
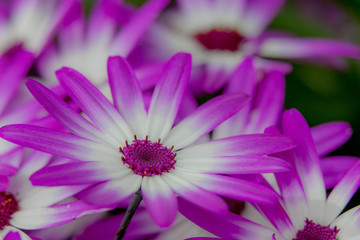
(31, 23)
(24, 206)
(265, 109)
(221, 33)
(304, 210)
(123, 148)
(85, 45)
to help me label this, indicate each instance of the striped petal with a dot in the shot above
(307, 48)
(205, 119)
(131, 33)
(57, 143)
(75, 173)
(45, 196)
(194, 194)
(94, 104)
(342, 193)
(160, 200)
(233, 164)
(226, 226)
(71, 119)
(306, 161)
(38, 218)
(335, 167)
(127, 95)
(231, 187)
(113, 192)
(167, 96)
(252, 144)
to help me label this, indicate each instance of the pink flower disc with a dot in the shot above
(8, 205)
(314, 231)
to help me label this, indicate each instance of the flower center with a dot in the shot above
(314, 231)
(220, 39)
(8, 205)
(146, 158)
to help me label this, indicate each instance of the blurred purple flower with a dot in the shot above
(32, 23)
(86, 44)
(221, 33)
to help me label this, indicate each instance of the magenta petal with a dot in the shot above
(39, 218)
(330, 136)
(4, 183)
(13, 67)
(167, 96)
(268, 103)
(73, 173)
(112, 192)
(306, 161)
(62, 111)
(232, 187)
(308, 48)
(7, 170)
(343, 192)
(234, 164)
(55, 142)
(131, 33)
(278, 218)
(127, 95)
(243, 78)
(252, 144)
(96, 106)
(12, 236)
(335, 167)
(160, 200)
(195, 194)
(258, 15)
(205, 119)
(226, 226)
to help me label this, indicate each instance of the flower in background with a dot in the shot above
(15, 106)
(85, 45)
(265, 109)
(124, 148)
(304, 211)
(142, 227)
(24, 206)
(31, 23)
(221, 33)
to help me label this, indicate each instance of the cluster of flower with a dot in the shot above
(122, 124)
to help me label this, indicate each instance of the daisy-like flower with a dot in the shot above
(124, 148)
(221, 33)
(85, 45)
(31, 23)
(24, 206)
(304, 212)
(265, 109)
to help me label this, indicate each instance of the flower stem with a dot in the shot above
(130, 211)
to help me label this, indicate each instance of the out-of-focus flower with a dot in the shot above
(142, 227)
(124, 148)
(265, 109)
(85, 45)
(221, 33)
(15, 106)
(24, 206)
(31, 23)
